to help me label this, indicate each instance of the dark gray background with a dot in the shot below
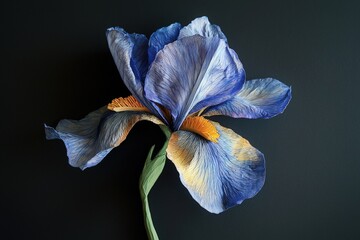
(56, 64)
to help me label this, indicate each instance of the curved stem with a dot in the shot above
(151, 172)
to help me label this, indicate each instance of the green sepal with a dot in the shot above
(151, 172)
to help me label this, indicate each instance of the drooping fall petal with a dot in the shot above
(192, 73)
(90, 139)
(259, 98)
(221, 174)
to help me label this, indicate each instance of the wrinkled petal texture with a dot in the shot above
(162, 37)
(218, 175)
(192, 73)
(130, 55)
(259, 98)
(202, 27)
(90, 139)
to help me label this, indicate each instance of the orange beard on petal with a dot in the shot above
(129, 103)
(202, 127)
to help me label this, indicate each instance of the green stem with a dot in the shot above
(151, 172)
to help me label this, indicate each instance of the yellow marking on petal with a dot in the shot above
(241, 148)
(244, 150)
(201, 126)
(186, 161)
(126, 104)
(180, 156)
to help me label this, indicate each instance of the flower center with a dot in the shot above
(201, 126)
(126, 104)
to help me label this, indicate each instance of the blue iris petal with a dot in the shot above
(162, 37)
(130, 55)
(202, 27)
(218, 175)
(259, 98)
(90, 139)
(192, 73)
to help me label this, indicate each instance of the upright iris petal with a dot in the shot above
(201, 26)
(162, 37)
(192, 73)
(130, 55)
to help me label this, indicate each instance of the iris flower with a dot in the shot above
(177, 78)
